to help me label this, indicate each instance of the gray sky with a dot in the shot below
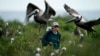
(20, 5)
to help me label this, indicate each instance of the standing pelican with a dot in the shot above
(39, 16)
(77, 31)
(79, 20)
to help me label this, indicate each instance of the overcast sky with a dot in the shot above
(20, 5)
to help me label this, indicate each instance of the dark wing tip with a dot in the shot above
(29, 4)
(45, 2)
(49, 10)
(66, 6)
(52, 11)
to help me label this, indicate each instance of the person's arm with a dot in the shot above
(45, 38)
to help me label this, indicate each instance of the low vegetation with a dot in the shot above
(22, 40)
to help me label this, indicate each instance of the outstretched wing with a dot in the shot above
(48, 11)
(71, 11)
(93, 22)
(30, 8)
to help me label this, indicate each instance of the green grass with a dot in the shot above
(26, 44)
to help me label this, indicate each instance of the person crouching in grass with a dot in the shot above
(52, 37)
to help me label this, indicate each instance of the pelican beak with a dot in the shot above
(70, 20)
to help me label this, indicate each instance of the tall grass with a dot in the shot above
(26, 43)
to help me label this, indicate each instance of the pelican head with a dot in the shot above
(78, 19)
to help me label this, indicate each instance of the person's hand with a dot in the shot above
(50, 43)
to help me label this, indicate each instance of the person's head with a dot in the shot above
(55, 26)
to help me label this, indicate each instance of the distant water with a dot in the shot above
(20, 15)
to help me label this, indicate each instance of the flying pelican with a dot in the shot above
(39, 16)
(80, 21)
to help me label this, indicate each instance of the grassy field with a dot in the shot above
(26, 38)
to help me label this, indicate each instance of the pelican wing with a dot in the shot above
(93, 22)
(48, 11)
(30, 8)
(71, 11)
